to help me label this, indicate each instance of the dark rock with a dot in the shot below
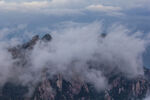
(31, 43)
(46, 37)
(103, 35)
(13, 92)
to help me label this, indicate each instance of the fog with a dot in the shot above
(76, 50)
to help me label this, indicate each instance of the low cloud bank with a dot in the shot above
(79, 50)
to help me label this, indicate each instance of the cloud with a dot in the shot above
(110, 10)
(71, 7)
(57, 7)
(147, 98)
(5, 63)
(104, 8)
(9, 34)
(77, 49)
(71, 4)
(80, 50)
(43, 7)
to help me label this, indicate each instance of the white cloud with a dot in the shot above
(71, 50)
(147, 98)
(103, 8)
(44, 7)
(62, 7)
(58, 7)
(72, 47)
(127, 3)
(82, 3)
(110, 10)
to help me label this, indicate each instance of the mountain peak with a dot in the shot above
(46, 37)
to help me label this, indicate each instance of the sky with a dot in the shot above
(37, 10)
(45, 13)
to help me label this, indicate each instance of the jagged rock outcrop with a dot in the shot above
(31, 43)
(58, 88)
(47, 37)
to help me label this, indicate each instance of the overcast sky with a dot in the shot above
(71, 6)
(41, 16)
(31, 11)
(126, 3)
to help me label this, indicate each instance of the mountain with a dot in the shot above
(59, 88)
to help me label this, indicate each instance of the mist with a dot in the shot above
(76, 50)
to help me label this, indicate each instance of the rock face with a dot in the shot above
(125, 89)
(58, 88)
(47, 37)
(31, 43)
